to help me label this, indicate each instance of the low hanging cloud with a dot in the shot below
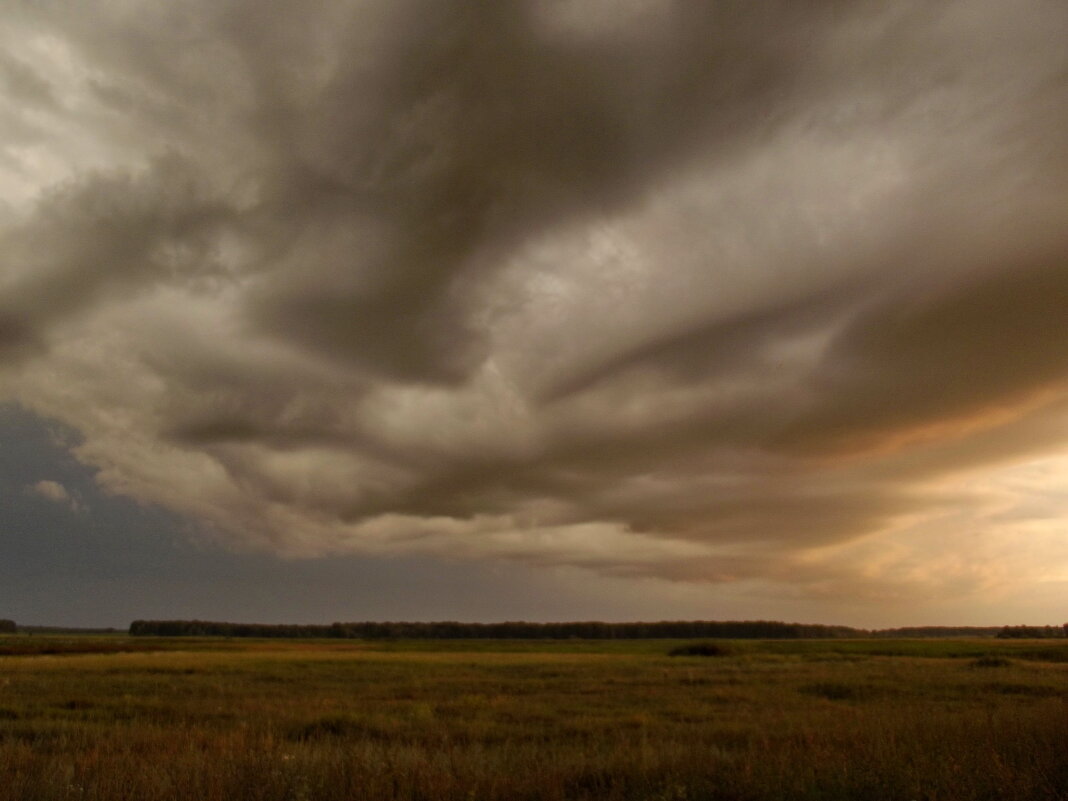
(699, 291)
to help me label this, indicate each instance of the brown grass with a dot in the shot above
(243, 721)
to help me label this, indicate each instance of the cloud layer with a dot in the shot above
(699, 291)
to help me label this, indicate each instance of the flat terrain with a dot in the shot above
(229, 720)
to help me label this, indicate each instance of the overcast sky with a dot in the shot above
(552, 309)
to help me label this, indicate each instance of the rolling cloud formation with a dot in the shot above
(704, 291)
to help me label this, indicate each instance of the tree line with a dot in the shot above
(1033, 632)
(591, 630)
(915, 632)
(759, 629)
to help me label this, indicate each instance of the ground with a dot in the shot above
(146, 719)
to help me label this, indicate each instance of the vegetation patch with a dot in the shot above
(331, 727)
(1054, 654)
(838, 691)
(701, 649)
(991, 662)
(76, 704)
(1026, 690)
(45, 647)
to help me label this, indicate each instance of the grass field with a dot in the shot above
(230, 720)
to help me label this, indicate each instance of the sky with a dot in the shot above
(534, 309)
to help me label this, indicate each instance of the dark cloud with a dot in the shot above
(103, 237)
(691, 290)
(475, 130)
(929, 356)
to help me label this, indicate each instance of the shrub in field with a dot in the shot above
(700, 649)
(837, 691)
(1043, 654)
(8, 627)
(331, 726)
(1026, 690)
(991, 662)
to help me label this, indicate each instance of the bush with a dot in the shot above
(991, 662)
(837, 691)
(700, 649)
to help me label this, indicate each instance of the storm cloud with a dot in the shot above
(700, 291)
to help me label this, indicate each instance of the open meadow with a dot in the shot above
(148, 719)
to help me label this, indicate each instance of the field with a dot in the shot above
(235, 720)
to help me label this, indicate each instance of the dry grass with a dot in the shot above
(280, 720)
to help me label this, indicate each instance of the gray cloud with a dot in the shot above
(702, 291)
(99, 239)
(474, 131)
(23, 85)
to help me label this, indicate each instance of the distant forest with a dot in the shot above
(452, 630)
(1033, 632)
(758, 629)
